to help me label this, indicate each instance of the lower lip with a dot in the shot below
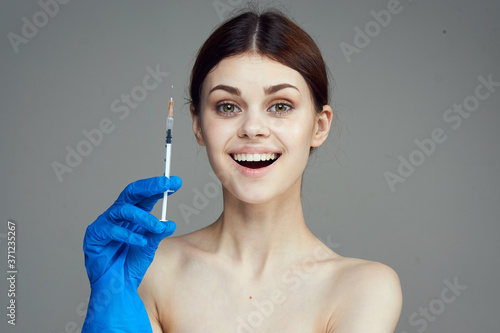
(253, 173)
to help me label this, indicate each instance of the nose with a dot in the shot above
(254, 125)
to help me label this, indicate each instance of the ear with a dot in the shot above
(322, 126)
(197, 126)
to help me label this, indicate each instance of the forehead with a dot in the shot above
(252, 70)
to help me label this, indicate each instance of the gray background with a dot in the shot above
(441, 224)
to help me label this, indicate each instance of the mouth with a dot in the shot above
(255, 161)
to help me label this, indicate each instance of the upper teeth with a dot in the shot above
(254, 157)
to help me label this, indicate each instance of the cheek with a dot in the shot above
(215, 133)
(295, 133)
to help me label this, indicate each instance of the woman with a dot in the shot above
(259, 103)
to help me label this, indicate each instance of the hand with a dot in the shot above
(119, 247)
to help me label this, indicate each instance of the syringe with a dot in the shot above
(168, 145)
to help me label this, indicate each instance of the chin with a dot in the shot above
(262, 192)
(253, 196)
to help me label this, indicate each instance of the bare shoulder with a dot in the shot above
(174, 251)
(171, 254)
(369, 297)
(365, 273)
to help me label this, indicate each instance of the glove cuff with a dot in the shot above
(116, 310)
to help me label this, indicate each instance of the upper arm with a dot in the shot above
(156, 284)
(372, 300)
(148, 295)
(147, 298)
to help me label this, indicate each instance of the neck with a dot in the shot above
(259, 237)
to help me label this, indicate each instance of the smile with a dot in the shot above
(255, 161)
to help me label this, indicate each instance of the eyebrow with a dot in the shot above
(229, 89)
(268, 90)
(278, 87)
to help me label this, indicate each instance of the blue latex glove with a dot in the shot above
(119, 247)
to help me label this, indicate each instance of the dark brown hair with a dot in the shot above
(269, 34)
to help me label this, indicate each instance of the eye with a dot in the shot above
(227, 108)
(280, 108)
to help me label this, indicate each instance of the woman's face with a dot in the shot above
(257, 121)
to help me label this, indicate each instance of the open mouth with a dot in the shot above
(255, 161)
